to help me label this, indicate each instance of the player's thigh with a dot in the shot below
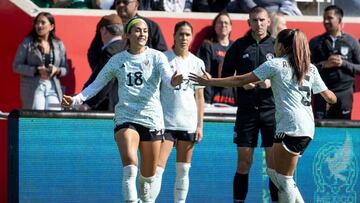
(127, 140)
(149, 156)
(184, 151)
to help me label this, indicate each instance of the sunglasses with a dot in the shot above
(125, 2)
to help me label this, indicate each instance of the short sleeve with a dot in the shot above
(164, 66)
(265, 71)
(318, 84)
(200, 70)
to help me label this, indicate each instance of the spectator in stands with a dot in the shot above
(72, 4)
(177, 6)
(44, 3)
(167, 5)
(212, 52)
(288, 7)
(138, 114)
(278, 23)
(293, 78)
(337, 57)
(111, 30)
(209, 5)
(127, 9)
(103, 4)
(255, 101)
(64, 3)
(183, 110)
(40, 60)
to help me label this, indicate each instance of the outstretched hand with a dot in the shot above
(176, 79)
(201, 80)
(66, 101)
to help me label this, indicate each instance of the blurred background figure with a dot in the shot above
(167, 5)
(212, 52)
(72, 4)
(288, 7)
(337, 56)
(177, 5)
(209, 5)
(127, 9)
(103, 4)
(40, 60)
(111, 30)
(277, 23)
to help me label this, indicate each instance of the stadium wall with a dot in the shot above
(50, 161)
(76, 27)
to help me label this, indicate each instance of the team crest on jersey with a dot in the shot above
(269, 56)
(344, 50)
(146, 63)
(146, 68)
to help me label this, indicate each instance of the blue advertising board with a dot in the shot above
(76, 160)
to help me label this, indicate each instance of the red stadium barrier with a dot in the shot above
(77, 27)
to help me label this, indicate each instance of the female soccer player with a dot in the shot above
(138, 113)
(183, 110)
(293, 78)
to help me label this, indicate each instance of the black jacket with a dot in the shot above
(155, 40)
(244, 56)
(341, 78)
(107, 97)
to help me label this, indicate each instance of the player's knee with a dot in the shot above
(287, 188)
(244, 166)
(272, 175)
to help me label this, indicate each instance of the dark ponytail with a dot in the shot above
(296, 46)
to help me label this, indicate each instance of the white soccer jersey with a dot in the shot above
(179, 105)
(294, 114)
(139, 78)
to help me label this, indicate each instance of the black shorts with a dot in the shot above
(294, 145)
(145, 133)
(174, 135)
(250, 123)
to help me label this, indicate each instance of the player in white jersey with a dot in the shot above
(293, 79)
(138, 114)
(183, 110)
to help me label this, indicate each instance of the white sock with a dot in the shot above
(157, 185)
(147, 187)
(129, 183)
(287, 189)
(182, 182)
(272, 175)
(299, 198)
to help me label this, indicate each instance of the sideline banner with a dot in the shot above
(72, 157)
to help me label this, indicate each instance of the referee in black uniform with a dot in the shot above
(256, 108)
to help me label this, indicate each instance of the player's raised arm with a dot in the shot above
(232, 81)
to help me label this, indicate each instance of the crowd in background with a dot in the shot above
(47, 51)
(130, 69)
(237, 6)
(288, 7)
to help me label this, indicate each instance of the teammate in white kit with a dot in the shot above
(183, 110)
(138, 118)
(293, 78)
